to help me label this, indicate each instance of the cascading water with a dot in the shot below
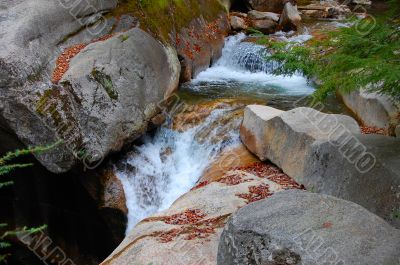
(245, 63)
(169, 164)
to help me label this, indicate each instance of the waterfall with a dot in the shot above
(245, 55)
(169, 164)
(245, 63)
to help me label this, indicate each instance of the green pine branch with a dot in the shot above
(5, 169)
(23, 230)
(6, 184)
(346, 60)
(31, 150)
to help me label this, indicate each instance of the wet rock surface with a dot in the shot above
(188, 232)
(297, 227)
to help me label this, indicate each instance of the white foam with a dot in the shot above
(292, 37)
(246, 63)
(157, 179)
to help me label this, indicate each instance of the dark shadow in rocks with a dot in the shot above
(75, 223)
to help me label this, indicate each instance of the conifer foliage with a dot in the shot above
(6, 166)
(349, 59)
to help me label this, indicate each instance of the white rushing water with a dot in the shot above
(169, 164)
(244, 62)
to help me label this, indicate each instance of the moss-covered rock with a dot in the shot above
(101, 106)
(196, 28)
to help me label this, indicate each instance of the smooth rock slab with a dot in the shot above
(285, 137)
(118, 85)
(373, 109)
(296, 227)
(328, 154)
(215, 198)
(95, 118)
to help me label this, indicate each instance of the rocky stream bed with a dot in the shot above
(179, 144)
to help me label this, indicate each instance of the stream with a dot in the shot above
(170, 162)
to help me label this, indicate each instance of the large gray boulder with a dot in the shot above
(296, 227)
(31, 31)
(327, 154)
(286, 137)
(104, 100)
(373, 109)
(117, 85)
(32, 34)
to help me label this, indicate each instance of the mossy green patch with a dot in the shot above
(42, 104)
(106, 82)
(123, 38)
(49, 104)
(162, 17)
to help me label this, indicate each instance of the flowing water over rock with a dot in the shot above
(170, 163)
(244, 71)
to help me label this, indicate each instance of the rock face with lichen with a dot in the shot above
(69, 72)
(117, 85)
(297, 227)
(104, 99)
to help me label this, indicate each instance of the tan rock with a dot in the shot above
(324, 10)
(266, 26)
(314, 13)
(235, 157)
(256, 15)
(238, 23)
(113, 193)
(290, 18)
(188, 232)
